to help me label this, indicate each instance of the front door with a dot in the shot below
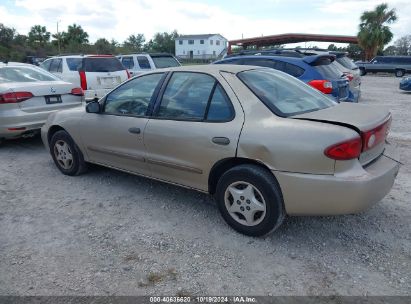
(115, 137)
(196, 123)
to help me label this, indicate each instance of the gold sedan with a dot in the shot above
(262, 142)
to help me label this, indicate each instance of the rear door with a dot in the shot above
(115, 137)
(103, 72)
(196, 123)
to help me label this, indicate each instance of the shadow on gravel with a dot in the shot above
(31, 142)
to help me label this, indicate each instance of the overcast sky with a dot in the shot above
(232, 19)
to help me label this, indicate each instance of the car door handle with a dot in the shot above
(134, 130)
(224, 141)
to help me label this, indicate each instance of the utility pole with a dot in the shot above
(58, 36)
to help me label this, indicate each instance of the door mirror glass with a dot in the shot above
(93, 107)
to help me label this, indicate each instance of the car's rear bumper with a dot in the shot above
(350, 191)
(16, 123)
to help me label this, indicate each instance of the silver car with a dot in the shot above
(262, 142)
(28, 95)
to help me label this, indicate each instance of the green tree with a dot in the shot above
(135, 43)
(403, 45)
(6, 35)
(75, 34)
(38, 36)
(163, 42)
(103, 46)
(374, 32)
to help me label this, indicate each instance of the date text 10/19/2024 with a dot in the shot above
(239, 299)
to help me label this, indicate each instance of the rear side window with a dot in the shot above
(165, 61)
(102, 64)
(143, 62)
(74, 64)
(293, 70)
(23, 74)
(220, 108)
(347, 62)
(283, 94)
(186, 96)
(196, 97)
(259, 62)
(328, 71)
(55, 66)
(133, 97)
(46, 65)
(128, 62)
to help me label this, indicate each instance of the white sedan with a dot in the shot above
(28, 95)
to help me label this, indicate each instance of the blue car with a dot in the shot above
(316, 70)
(405, 84)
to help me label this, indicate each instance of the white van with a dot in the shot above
(139, 63)
(95, 74)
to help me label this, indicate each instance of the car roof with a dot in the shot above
(211, 68)
(279, 58)
(83, 56)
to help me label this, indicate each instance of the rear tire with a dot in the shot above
(250, 200)
(363, 72)
(399, 73)
(66, 154)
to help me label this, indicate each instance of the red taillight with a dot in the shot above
(346, 150)
(128, 74)
(83, 80)
(77, 92)
(374, 137)
(15, 97)
(324, 86)
(349, 76)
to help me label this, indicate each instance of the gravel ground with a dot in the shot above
(110, 233)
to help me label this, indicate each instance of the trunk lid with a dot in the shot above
(371, 123)
(47, 95)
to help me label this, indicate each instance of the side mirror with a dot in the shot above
(93, 107)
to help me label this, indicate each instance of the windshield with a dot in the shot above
(165, 61)
(102, 64)
(24, 74)
(283, 94)
(347, 62)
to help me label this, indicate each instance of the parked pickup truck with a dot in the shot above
(399, 65)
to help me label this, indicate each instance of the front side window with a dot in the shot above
(46, 64)
(133, 97)
(143, 62)
(128, 62)
(283, 94)
(195, 97)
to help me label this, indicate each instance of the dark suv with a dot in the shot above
(399, 65)
(317, 70)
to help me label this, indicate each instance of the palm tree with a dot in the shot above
(374, 32)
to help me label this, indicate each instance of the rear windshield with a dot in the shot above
(347, 62)
(165, 61)
(283, 94)
(24, 74)
(329, 71)
(102, 64)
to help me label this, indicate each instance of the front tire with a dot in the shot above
(66, 154)
(250, 200)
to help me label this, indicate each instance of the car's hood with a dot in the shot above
(362, 117)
